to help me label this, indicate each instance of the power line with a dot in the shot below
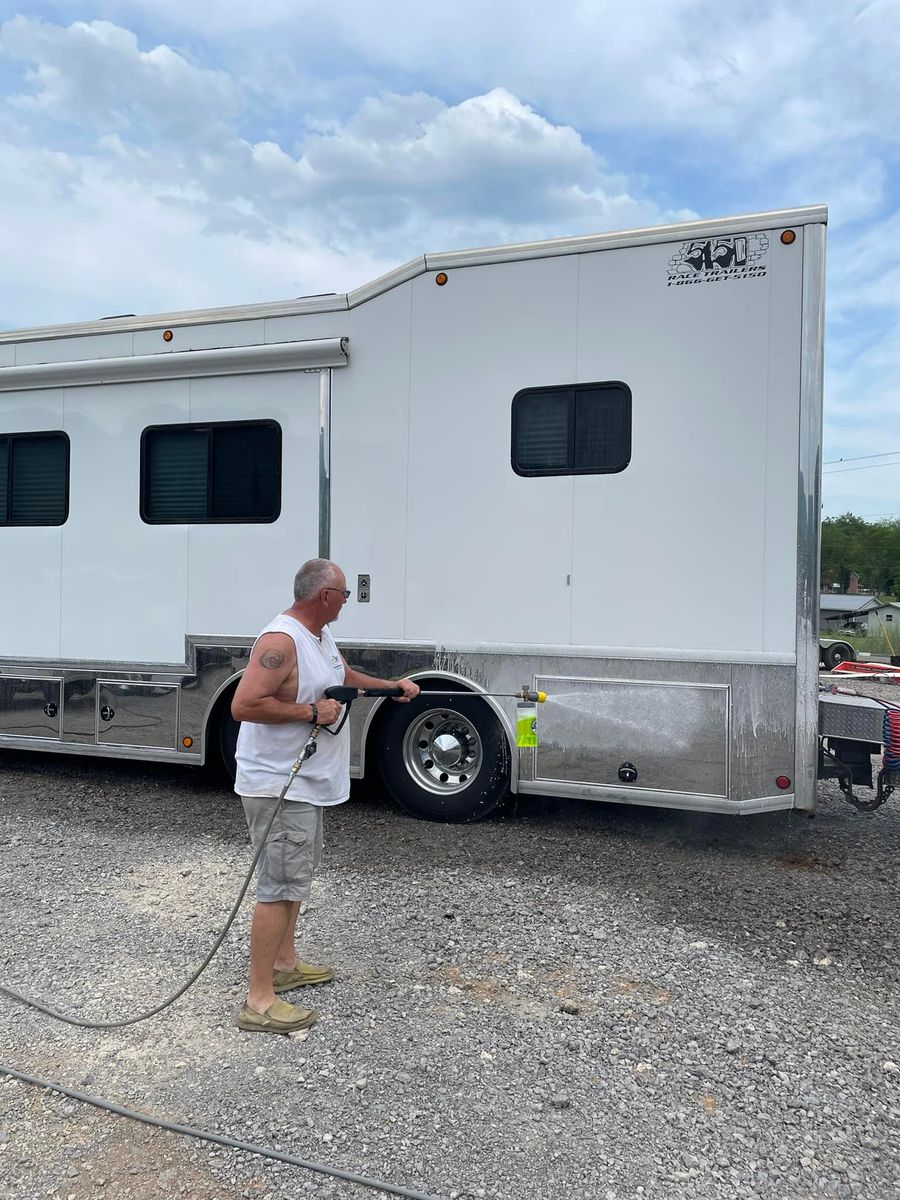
(870, 467)
(859, 458)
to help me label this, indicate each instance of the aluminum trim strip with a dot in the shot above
(32, 675)
(184, 364)
(630, 653)
(519, 649)
(590, 243)
(325, 464)
(808, 517)
(92, 750)
(184, 318)
(811, 215)
(388, 281)
(678, 800)
(669, 683)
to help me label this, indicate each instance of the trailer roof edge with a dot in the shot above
(340, 302)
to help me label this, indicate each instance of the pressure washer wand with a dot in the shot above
(346, 695)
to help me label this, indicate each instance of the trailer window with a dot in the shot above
(577, 429)
(34, 478)
(202, 474)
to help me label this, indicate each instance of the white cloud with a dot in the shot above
(93, 73)
(401, 175)
(113, 247)
(236, 152)
(706, 63)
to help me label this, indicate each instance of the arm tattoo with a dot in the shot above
(272, 660)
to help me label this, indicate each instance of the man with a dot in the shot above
(279, 697)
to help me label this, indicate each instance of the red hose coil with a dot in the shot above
(892, 740)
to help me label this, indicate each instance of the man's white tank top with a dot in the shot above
(266, 753)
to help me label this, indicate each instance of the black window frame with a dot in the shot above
(573, 389)
(209, 427)
(30, 435)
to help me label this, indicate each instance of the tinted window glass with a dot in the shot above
(542, 441)
(4, 479)
(176, 468)
(243, 478)
(601, 430)
(579, 429)
(34, 478)
(194, 474)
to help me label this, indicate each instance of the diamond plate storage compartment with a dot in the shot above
(623, 733)
(137, 714)
(30, 706)
(855, 717)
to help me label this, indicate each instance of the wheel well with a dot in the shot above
(220, 703)
(445, 683)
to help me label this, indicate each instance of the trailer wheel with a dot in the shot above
(837, 653)
(444, 761)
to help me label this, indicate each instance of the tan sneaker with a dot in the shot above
(303, 975)
(279, 1017)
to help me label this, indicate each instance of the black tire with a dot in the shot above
(225, 744)
(838, 653)
(444, 759)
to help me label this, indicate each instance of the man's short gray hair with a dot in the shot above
(313, 576)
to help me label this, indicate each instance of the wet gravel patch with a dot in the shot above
(581, 1000)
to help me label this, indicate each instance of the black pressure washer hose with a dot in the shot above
(309, 748)
(346, 696)
(217, 1138)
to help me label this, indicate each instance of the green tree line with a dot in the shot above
(870, 548)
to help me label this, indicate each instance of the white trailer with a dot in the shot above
(536, 464)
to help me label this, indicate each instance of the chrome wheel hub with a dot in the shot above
(442, 751)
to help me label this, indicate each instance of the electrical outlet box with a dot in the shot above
(363, 589)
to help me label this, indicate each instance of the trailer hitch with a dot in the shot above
(832, 767)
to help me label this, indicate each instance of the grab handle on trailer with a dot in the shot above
(345, 695)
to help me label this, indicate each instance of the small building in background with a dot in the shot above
(885, 618)
(841, 610)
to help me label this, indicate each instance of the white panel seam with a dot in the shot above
(409, 357)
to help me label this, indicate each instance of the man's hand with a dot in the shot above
(410, 690)
(329, 710)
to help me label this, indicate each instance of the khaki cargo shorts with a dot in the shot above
(293, 848)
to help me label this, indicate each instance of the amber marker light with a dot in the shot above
(441, 278)
(168, 335)
(788, 237)
(187, 743)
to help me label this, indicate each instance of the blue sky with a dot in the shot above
(168, 155)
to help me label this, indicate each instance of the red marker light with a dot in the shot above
(783, 782)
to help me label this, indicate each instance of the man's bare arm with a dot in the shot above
(357, 679)
(257, 697)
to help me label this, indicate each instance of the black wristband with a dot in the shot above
(314, 719)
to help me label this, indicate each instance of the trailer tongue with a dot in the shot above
(853, 728)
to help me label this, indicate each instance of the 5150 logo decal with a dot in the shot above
(713, 260)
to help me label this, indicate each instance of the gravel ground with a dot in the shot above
(585, 1000)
